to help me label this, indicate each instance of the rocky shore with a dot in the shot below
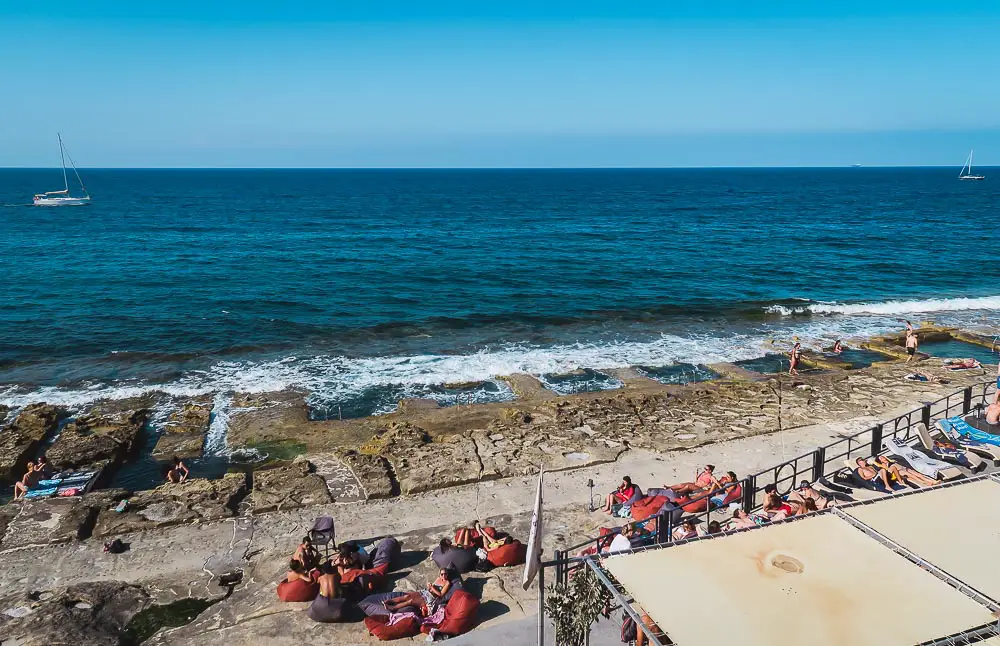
(369, 466)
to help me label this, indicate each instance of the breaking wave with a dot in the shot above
(890, 308)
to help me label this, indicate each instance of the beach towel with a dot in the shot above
(41, 493)
(917, 460)
(957, 427)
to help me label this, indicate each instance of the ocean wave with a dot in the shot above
(890, 308)
(332, 379)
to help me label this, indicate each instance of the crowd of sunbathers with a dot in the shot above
(707, 491)
(36, 472)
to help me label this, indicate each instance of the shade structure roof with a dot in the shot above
(826, 579)
(955, 528)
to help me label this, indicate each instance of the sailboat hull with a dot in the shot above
(976, 177)
(61, 201)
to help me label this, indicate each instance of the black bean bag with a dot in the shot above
(385, 553)
(459, 559)
(372, 604)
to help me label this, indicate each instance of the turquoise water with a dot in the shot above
(961, 350)
(583, 381)
(682, 373)
(366, 287)
(860, 357)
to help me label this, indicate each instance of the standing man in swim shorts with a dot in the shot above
(911, 342)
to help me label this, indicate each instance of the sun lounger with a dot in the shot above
(921, 463)
(960, 456)
(970, 437)
(867, 492)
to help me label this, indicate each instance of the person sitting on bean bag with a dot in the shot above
(298, 584)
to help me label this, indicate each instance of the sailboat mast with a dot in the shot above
(62, 156)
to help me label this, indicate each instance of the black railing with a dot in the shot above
(821, 462)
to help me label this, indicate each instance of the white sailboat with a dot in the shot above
(967, 169)
(63, 198)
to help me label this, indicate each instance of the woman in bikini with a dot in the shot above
(705, 481)
(793, 358)
(435, 595)
(776, 508)
(904, 475)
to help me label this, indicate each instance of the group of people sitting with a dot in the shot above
(346, 585)
(336, 583)
(706, 490)
(479, 547)
(36, 472)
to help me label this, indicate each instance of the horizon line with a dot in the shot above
(489, 168)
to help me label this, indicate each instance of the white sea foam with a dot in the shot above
(334, 379)
(891, 308)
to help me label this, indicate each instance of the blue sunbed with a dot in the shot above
(972, 434)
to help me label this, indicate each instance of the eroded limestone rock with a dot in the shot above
(91, 614)
(103, 435)
(184, 433)
(195, 500)
(373, 472)
(20, 440)
(287, 487)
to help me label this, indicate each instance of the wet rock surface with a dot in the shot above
(185, 429)
(104, 435)
(192, 501)
(21, 439)
(261, 418)
(287, 487)
(91, 614)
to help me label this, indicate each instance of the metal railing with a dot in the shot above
(822, 462)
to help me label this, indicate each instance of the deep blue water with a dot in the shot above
(366, 286)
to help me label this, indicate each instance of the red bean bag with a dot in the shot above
(297, 590)
(696, 506)
(459, 615)
(646, 507)
(379, 627)
(733, 495)
(513, 553)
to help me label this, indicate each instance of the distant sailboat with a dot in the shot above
(63, 198)
(967, 170)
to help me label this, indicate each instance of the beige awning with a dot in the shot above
(955, 528)
(817, 581)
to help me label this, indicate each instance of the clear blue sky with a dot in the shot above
(410, 83)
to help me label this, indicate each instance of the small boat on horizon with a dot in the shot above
(63, 198)
(966, 172)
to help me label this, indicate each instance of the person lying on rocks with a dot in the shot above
(178, 472)
(30, 480)
(623, 495)
(428, 600)
(307, 554)
(902, 474)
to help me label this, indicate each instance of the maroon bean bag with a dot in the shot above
(459, 615)
(646, 507)
(297, 590)
(379, 627)
(513, 553)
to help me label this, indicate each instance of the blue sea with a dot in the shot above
(363, 287)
